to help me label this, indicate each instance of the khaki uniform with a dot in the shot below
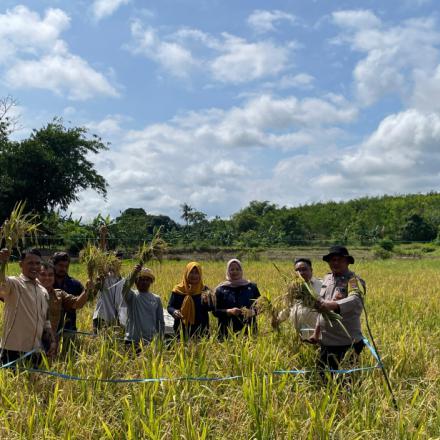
(351, 288)
(25, 313)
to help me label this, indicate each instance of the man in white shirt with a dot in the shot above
(302, 318)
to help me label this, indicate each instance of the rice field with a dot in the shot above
(404, 313)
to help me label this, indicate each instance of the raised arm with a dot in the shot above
(4, 258)
(129, 281)
(71, 302)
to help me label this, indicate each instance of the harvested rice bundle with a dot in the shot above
(300, 292)
(297, 292)
(154, 250)
(99, 263)
(16, 229)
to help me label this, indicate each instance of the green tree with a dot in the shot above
(416, 228)
(49, 168)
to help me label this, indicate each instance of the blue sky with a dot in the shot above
(217, 103)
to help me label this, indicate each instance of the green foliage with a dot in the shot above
(49, 168)
(380, 253)
(416, 228)
(386, 244)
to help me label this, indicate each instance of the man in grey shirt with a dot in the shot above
(144, 308)
(342, 292)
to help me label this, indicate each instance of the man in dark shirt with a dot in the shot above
(63, 281)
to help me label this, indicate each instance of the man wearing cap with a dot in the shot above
(144, 309)
(303, 318)
(342, 292)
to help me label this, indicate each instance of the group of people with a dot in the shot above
(41, 304)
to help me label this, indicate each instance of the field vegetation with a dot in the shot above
(404, 312)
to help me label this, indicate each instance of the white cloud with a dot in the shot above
(171, 56)
(356, 19)
(104, 8)
(242, 61)
(212, 158)
(426, 95)
(40, 59)
(60, 74)
(393, 53)
(400, 156)
(263, 21)
(228, 59)
(15, 35)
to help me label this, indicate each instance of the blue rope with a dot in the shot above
(26, 355)
(184, 378)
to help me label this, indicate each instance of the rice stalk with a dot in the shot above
(99, 263)
(297, 292)
(155, 250)
(16, 230)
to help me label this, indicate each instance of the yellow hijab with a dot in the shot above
(188, 309)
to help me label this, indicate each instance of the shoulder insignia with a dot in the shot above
(355, 287)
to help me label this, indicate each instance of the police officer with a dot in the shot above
(342, 292)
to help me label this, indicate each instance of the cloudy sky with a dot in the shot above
(219, 102)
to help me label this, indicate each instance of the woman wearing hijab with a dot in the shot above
(189, 303)
(235, 299)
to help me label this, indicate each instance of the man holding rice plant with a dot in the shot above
(303, 318)
(144, 309)
(341, 292)
(26, 313)
(61, 263)
(110, 308)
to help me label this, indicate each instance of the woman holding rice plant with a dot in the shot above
(235, 298)
(59, 300)
(190, 303)
(342, 292)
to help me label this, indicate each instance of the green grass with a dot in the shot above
(404, 311)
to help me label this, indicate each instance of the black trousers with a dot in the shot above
(330, 356)
(12, 355)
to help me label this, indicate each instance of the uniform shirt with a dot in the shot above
(25, 313)
(59, 301)
(144, 316)
(302, 318)
(110, 299)
(72, 287)
(350, 308)
(228, 297)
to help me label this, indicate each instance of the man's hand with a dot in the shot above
(235, 311)
(137, 268)
(51, 353)
(177, 314)
(327, 305)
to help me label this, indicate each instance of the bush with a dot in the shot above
(380, 253)
(386, 244)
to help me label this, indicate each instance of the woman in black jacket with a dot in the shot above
(235, 300)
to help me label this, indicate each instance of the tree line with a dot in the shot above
(49, 167)
(364, 221)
